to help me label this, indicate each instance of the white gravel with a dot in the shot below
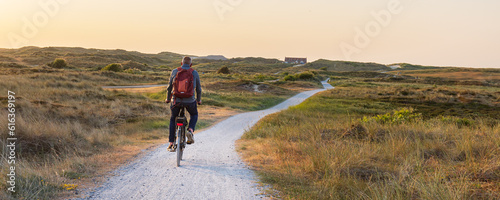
(211, 168)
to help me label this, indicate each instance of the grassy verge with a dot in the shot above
(379, 140)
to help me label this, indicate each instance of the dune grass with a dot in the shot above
(63, 121)
(71, 131)
(375, 141)
(69, 128)
(482, 75)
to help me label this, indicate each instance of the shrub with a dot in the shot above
(113, 67)
(323, 68)
(305, 75)
(133, 71)
(58, 63)
(404, 115)
(289, 78)
(133, 64)
(460, 122)
(223, 70)
(262, 77)
(301, 76)
(164, 67)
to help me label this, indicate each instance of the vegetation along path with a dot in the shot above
(211, 168)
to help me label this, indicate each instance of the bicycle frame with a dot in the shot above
(181, 123)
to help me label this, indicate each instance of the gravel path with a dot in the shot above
(211, 168)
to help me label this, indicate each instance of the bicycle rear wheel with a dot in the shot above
(179, 148)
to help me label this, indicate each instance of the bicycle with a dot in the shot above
(181, 123)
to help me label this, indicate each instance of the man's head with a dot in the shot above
(186, 60)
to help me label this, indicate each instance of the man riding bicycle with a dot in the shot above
(181, 81)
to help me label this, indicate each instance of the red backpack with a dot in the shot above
(183, 83)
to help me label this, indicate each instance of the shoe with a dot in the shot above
(189, 135)
(171, 148)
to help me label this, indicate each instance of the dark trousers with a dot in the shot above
(191, 108)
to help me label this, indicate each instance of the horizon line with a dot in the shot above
(142, 52)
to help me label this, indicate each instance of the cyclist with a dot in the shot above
(189, 102)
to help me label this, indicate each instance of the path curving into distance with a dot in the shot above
(211, 168)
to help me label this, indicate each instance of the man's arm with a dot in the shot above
(170, 85)
(198, 86)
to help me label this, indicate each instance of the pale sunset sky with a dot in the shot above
(462, 33)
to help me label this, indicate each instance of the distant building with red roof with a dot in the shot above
(295, 60)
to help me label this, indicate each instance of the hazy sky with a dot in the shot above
(428, 32)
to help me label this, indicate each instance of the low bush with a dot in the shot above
(133, 71)
(262, 77)
(405, 115)
(58, 63)
(223, 70)
(459, 121)
(305, 75)
(299, 76)
(289, 78)
(115, 67)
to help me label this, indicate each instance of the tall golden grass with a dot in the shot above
(63, 120)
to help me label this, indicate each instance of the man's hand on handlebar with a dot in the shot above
(168, 101)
